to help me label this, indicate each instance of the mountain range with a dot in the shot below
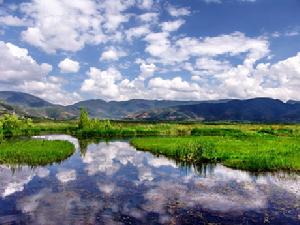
(252, 110)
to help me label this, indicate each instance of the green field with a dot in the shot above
(255, 147)
(253, 153)
(34, 152)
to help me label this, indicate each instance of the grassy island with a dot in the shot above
(34, 152)
(253, 153)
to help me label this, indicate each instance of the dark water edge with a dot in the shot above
(109, 182)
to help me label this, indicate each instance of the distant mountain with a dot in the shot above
(23, 99)
(120, 109)
(256, 110)
(29, 105)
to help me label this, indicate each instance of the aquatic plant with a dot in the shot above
(264, 153)
(34, 152)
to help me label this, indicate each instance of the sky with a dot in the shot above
(67, 51)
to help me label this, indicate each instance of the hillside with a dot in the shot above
(23, 99)
(120, 109)
(255, 110)
(32, 106)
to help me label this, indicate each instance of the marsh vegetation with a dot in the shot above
(255, 147)
(34, 152)
(248, 153)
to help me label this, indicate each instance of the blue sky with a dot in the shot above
(65, 51)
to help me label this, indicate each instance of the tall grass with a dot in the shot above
(265, 153)
(34, 152)
(11, 125)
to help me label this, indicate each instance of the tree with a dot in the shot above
(84, 121)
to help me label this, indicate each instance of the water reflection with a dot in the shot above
(13, 181)
(112, 183)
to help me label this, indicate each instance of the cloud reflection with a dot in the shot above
(113, 180)
(12, 181)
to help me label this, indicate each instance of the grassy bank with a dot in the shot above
(34, 152)
(86, 127)
(254, 153)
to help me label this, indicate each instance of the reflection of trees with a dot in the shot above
(85, 142)
(201, 169)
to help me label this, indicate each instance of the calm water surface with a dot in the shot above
(112, 183)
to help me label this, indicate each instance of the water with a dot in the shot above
(112, 183)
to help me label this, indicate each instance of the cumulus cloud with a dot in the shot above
(17, 65)
(102, 83)
(10, 20)
(112, 54)
(174, 65)
(167, 51)
(137, 32)
(172, 25)
(148, 17)
(145, 4)
(176, 12)
(20, 72)
(147, 70)
(69, 66)
(49, 90)
(62, 25)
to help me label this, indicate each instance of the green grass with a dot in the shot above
(11, 125)
(34, 152)
(217, 132)
(253, 153)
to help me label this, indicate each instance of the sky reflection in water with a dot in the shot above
(112, 183)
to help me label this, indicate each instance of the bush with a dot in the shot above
(11, 125)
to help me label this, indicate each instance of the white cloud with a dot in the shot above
(49, 90)
(17, 65)
(114, 13)
(112, 54)
(279, 80)
(62, 25)
(102, 83)
(69, 66)
(169, 52)
(147, 70)
(10, 20)
(175, 84)
(137, 32)
(171, 25)
(69, 26)
(212, 78)
(212, 65)
(203, 65)
(149, 17)
(176, 12)
(145, 4)
(20, 72)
